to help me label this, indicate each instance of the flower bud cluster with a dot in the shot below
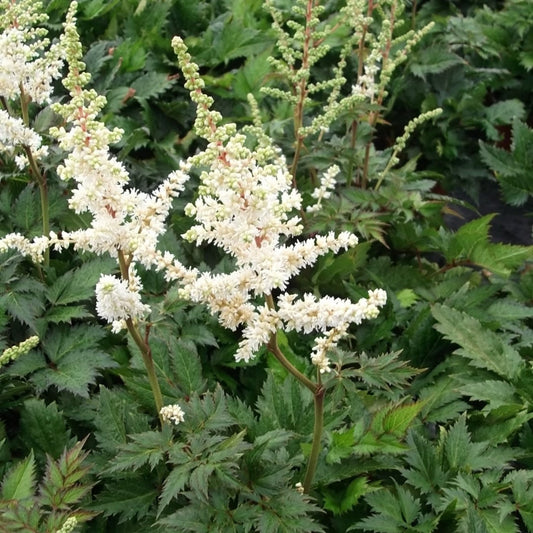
(10, 354)
(69, 525)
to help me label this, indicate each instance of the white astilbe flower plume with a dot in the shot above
(125, 223)
(247, 206)
(28, 66)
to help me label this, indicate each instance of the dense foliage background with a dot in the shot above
(428, 411)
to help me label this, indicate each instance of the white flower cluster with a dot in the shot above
(366, 85)
(245, 207)
(124, 221)
(117, 301)
(34, 248)
(14, 133)
(28, 65)
(172, 413)
(327, 184)
(28, 62)
(331, 316)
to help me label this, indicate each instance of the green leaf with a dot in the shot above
(58, 315)
(460, 452)
(434, 60)
(407, 297)
(494, 393)
(508, 309)
(187, 367)
(285, 405)
(79, 284)
(27, 209)
(116, 417)
(149, 448)
(426, 473)
(383, 371)
(340, 499)
(23, 301)
(67, 341)
(398, 419)
(484, 348)
(63, 485)
(174, 484)
(131, 498)
(151, 84)
(43, 427)
(505, 111)
(18, 483)
(74, 372)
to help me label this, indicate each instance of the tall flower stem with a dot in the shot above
(143, 345)
(36, 172)
(146, 353)
(318, 395)
(317, 436)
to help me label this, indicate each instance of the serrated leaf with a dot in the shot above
(66, 341)
(506, 310)
(434, 60)
(43, 427)
(399, 418)
(460, 451)
(426, 472)
(116, 417)
(501, 259)
(505, 111)
(131, 500)
(187, 367)
(151, 84)
(174, 484)
(287, 405)
(495, 393)
(27, 209)
(67, 314)
(23, 301)
(74, 372)
(18, 483)
(79, 284)
(340, 501)
(383, 371)
(522, 144)
(484, 348)
(148, 448)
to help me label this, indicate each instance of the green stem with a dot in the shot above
(278, 354)
(43, 190)
(36, 172)
(318, 394)
(146, 353)
(317, 437)
(143, 345)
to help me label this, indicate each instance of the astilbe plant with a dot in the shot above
(246, 204)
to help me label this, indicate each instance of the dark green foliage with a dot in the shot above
(428, 423)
